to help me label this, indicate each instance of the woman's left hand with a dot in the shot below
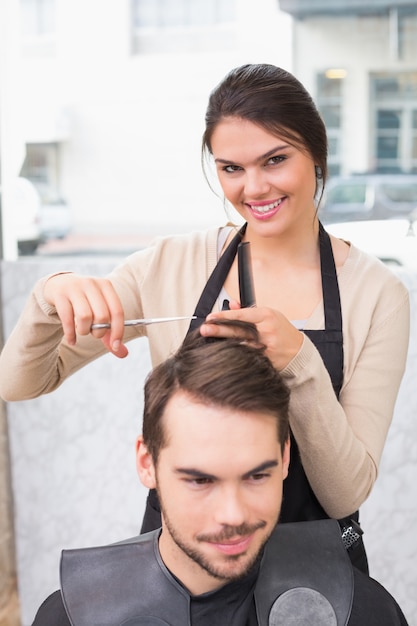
(281, 339)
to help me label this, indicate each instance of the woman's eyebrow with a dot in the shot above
(259, 158)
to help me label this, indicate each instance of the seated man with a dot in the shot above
(215, 445)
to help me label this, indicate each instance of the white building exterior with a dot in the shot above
(112, 114)
(368, 50)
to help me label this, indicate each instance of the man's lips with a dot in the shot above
(233, 546)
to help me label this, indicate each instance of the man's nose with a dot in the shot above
(231, 507)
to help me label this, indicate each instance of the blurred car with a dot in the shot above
(368, 197)
(394, 241)
(55, 220)
(55, 214)
(25, 204)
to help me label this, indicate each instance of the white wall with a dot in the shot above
(131, 125)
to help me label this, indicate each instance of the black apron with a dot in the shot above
(299, 502)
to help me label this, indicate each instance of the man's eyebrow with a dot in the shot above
(195, 473)
(261, 468)
(261, 157)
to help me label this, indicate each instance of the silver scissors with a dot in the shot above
(145, 321)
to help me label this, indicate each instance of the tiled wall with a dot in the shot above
(73, 462)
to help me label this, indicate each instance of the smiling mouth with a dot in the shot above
(265, 208)
(234, 546)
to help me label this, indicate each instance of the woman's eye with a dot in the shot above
(230, 169)
(276, 159)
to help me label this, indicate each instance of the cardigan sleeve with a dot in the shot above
(341, 441)
(36, 359)
(157, 281)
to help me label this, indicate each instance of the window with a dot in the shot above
(329, 103)
(395, 121)
(414, 141)
(171, 13)
(38, 17)
(187, 25)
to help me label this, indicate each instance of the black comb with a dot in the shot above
(246, 288)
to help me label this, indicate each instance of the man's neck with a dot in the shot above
(232, 603)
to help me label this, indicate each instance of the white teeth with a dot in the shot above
(266, 207)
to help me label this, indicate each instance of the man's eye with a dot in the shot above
(199, 482)
(259, 477)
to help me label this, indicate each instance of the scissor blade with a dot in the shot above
(158, 320)
(145, 321)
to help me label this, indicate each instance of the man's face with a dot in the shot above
(219, 481)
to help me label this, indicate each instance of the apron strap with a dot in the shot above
(329, 342)
(216, 281)
(331, 295)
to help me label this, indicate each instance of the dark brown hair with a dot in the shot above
(273, 99)
(228, 373)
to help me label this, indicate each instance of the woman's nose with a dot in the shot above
(256, 184)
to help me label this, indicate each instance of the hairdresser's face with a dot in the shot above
(219, 480)
(268, 181)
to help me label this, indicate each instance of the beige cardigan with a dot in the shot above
(340, 442)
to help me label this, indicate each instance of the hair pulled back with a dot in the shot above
(273, 99)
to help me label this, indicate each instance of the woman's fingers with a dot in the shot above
(280, 338)
(253, 315)
(65, 313)
(82, 301)
(118, 349)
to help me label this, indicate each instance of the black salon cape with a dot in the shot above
(372, 606)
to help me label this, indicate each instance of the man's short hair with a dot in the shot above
(233, 373)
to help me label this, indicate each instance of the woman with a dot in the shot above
(332, 317)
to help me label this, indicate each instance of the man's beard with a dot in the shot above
(228, 532)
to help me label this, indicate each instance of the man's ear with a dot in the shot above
(144, 464)
(286, 458)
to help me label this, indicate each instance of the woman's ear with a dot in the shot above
(144, 464)
(286, 458)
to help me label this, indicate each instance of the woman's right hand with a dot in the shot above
(81, 301)
(281, 339)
